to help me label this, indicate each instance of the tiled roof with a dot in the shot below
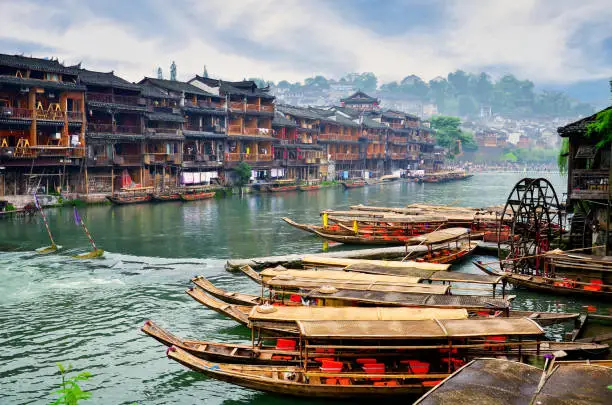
(47, 84)
(45, 65)
(151, 91)
(176, 86)
(298, 112)
(279, 120)
(343, 121)
(578, 127)
(90, 77)
(370, 123)
(243, 88)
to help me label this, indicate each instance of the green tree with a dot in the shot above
(439, 90)
(243, 172)
(467, 106)
(284, 84)
(510, 157)
(391, 87)
(459, 80)
(448, 133)
(318, 82)
(416, 87)
(481, 88)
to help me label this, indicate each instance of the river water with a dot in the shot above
(88, 313)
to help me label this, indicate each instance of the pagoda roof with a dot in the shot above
(359, 97)
(44, 65)
(150, 91)
(176, 86)
(105, 79)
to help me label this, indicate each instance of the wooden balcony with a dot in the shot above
(267, 108)
(115, 99)
(398, 155)
(97, 127)
(204, 104)
(236, 106)
(345, 156)
(400, 140)
(252, 107)
(16, 113)
(247, 157)
(590, 184)
(251, 131)
(337, 137)
(155, 158)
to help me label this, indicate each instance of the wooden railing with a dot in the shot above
(337, 137)
(74, 115)
(345, 156)
(251, 131)
(247, 157)
(396, 155)
(100, 127)
(252, 107)
(267, 108)
(16, 113)
(236, 106)
(234, 129)
(399, 140)
(127, 159)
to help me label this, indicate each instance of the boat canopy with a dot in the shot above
(350, 314)
(442, 236)
(419, 329)
(297, 283)
(446, 276)
(341, 262)
(410, 299)
(339, 275)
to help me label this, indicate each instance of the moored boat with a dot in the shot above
(353, 183)
(309, 187)
(125, 198)
(166, 196)
(196, 194)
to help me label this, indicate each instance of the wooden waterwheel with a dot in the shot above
(533, 214)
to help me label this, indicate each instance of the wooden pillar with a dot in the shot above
(86, 181)
(32, 107)
(64, 108)
(112, 179)
(83, 120)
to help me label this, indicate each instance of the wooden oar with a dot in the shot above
(95, 252)
(53, 247)
(412, 251)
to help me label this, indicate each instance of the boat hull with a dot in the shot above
(347, 185)
(129, 200)
(197, 196)
(309, 188)
(166, 197)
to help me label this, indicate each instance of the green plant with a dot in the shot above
(563, 156)
(70, 393)
(9, 207)
(243, 171)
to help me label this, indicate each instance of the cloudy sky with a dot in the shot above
(556, 42)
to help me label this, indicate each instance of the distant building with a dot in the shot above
(360, 101)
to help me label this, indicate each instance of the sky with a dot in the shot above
(551, 42)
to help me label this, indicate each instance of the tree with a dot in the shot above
(448, 132)
(510, 157)
(438, 91)
(243, 173)
(416, 87)
(481, 88)
(391, 87)
(367, 82)
(459, 80)
(318, 82)
(283, 84)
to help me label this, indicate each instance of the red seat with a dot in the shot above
(416, 366)
(295, 298)
(366, 361)
(331, 366)
(390, 383)
(322, 350)
(285, 344)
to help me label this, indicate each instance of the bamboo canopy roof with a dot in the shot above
(409, 299)
(350, 314)
(501, 382)
(443, 235)
(432, 275)
(418, 329)
(449, 213)
(338, 275)
(341, 262)
(301, 283)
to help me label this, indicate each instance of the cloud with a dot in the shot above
(548, 42)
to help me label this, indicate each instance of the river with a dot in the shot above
(88, 313)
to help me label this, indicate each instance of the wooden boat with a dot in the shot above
(445, 177)
(553, 285)
(309, 187)
(197, 195)
(90, 255)
(411, 355)
(169, 196)
(449, 254)
(593, 328)
(304, 227)
(366, 239)
(280, 320)
(234, 353)
(129, 198)
(498, 381)
(228, 353)
(347, 297)
(389, 178)
(353, 184)
(477, 305)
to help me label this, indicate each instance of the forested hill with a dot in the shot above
(460, 93)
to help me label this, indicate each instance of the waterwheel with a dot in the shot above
(533, 214)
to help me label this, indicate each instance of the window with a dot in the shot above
(52, 77)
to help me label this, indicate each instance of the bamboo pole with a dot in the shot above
(44, 217)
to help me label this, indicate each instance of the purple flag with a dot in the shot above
(36, 201)
(77, 218)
